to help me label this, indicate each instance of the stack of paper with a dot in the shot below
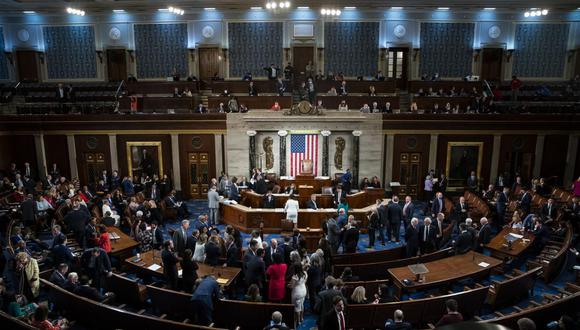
(154, 267)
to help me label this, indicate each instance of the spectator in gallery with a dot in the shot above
(343, 106)
(388, 108)
(176, 92)
(175, 75)
(201, 109)
(134, 104)
(372, 91)
(247, 76)
(244, 108)
(319, 75)
(343, 90)
(515, 86)
(275, 107)
(319, 105)
(221, 108)
(252, 91)
(288, 71)
(380, 76)
(187, 92)
(332, 92)
(272, 72)
(375, 107)
(233, 104)
(414, 108)
(365, 108)
(452, 316)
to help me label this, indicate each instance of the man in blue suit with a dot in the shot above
(501, 204)
(202, 299)
(438, 205)
(234, 191)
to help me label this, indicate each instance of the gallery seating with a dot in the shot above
(467, 86)
(514, 288)
(553, 257)
(252, 102)
(356, 102)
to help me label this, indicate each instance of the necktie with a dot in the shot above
(315, 205)
(425, 233)
(440, 229)
(341, 317)
(184, 236)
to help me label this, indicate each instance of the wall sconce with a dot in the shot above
(225, 52)
(476, 53)
(192, 54)
(41, 57)
(9, 57)
(509, 53)
(100, 55)
(131, 55)
(571, 53)
(416, 53)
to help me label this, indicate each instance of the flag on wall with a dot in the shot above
(303, 146)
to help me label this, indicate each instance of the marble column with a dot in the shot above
(40, 155)
(539, 154)
(252, 135)
(114, 153)
(72, 156)
(175, 162)
(325, 154)
(389, 155)
(495, 153)
(433, 151)
(571, 159)
(282, 134)
(356, 157)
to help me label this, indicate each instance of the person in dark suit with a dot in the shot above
(549, 210)
(76, 220)
(200, 108)
(412, 238)
(335, 318)
(472, 182)
(408, 210)
(525, 201)
(189, 271)
(395, 215)
(58, 276)
(339, 195)
(464, 242)
(542, 237)
(61, 254)
(500, 206)
(427, 236)
(234, 191)
(252, 91)
(483, 235)
(60, 93)
(269, 201)
(202, 299)
(438, 205)
(98, 264)
(170, 260)
(256, 270)
(231, 253)
(192, 240)
(397, 323)
(249, 255)
(157, 235)
(461, 209)
(260, 185)
(382, 209)
(212, 251)
(270, 252)
(351, 236)
(84, 290)
(273, 72)
(180, 237)
(280, 87)
(342, 91)
(29, 210)
(325, 302)
(311, 203)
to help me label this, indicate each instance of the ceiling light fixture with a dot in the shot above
(256, 8)
(209, 9)
(281, 4)
(176, 11)
(396, 8)
(303, 8)
(443, 8)
(74, 11)
(533, 12)
(118, 11)
(489, 8)
(330, 12)
(349, 8)
(29, 12)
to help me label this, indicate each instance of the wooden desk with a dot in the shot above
(415, 85)
(428, 102)
(255, 200)
(252, 102)
(159, 103)
(238, 86)
(444, 272)
(160, 87)
(122, 247)
(356, 102)
(497, 248)
(317, 183)
(312, 236)
(355, 86)
(154, 257)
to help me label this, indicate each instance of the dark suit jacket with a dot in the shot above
(501, 203)
(179, 240)
(232, 256)
(28, 208)
(464, 243)
(62, 254)
(90, 293)
(351, 240)
(269, 202)
(256, 272)
(76, 220)
(410, 211)
(459, 211)
(526, 202)
(330, 321)
(484, 235)
(212, 254)
(57, 278)
(428, 243)
(436, 208)
(252, 91)
(234, 193)
(159, 237)
(200, 110)
(395, 214)
(412, 239)
(324, 302)
(549, 213)
(312, 205)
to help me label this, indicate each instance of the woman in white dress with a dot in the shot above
(299, 292)
(291, 209)
(199, 253)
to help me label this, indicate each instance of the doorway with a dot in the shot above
(301, 55)
(27, 65)
(519, 162)
(491, 64)
(209, 62)
(199, 177)
(116, 64)
(397, 64)
(410, 173)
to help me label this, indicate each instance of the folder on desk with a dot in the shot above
(222, 280)
(154, 267)
(114, 235)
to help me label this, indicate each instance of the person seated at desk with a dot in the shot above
(375, 107)
(291, 190)
(311, 204)
(247, 77)
(87, 291)
(176, 92)
(275, 107)
(343, 106)
(252, 91)
(549, 210)
(397, 323)
(187, 92)
(365, 108)
(269, 201)
(332, 92)
(375, 183)
(201, 109)
(365, 183)
(542, 235)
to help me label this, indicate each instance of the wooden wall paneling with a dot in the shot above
(411, 144)
(91, 144)
(577, 165)
(487, 140)
(56, 151)
(517, 151)
(17, 149)
(554, 157)
(195, 143)
(165, 146)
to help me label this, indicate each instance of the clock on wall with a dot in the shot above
(494, 32)
(115, 33)
(207, 32)
(399, 31)
(23, 35)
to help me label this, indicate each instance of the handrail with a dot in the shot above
(119, 89)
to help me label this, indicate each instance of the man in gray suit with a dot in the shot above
(333, 233)
(180, 237)
(213, 199)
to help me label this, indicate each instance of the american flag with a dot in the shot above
(303, 146)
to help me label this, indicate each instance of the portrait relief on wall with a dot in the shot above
(462, 158)
(145, 159)
(267, 145)
(340, 143)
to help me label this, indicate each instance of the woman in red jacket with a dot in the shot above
(276, 273)
(104, 239)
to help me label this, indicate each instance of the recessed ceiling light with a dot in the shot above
(256, 8)
(397, 8)
(489, 8)
(443, 8)
(118, 11)
(209, 9)
(349, 8)
(304, 7)
(29, 12)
